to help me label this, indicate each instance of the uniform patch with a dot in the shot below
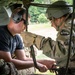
(64, 32)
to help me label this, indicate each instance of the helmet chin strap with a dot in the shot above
(58, 26)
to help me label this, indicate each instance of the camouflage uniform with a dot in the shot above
(56, 49)
(59, 49)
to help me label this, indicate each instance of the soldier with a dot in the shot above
(60, 18)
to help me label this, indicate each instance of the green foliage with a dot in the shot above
(38, 1)
(53, 1)
(36, 12)
(42, 18)
(4, 2)
(69, 1)
(7, 2)
(33, 12)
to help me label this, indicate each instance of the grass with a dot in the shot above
(47, 73)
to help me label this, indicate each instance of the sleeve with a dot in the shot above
(19, 43)
(62, 46)
(58, 49)
(62, 42)
(31, 38)
(48, 46)
(42, 43)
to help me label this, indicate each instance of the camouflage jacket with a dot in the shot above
(59, 49)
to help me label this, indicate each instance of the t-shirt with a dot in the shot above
(9, 43)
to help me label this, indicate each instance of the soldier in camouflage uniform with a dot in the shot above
(60, 18)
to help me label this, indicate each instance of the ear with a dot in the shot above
(18, 16)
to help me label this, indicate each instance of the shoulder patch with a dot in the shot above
(64, 32)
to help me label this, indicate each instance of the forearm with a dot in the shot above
(44, 61)
(19, 64)
(27, 64)
(48, 62)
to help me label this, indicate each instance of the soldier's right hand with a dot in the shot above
(41, 67)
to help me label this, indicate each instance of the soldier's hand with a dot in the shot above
(41, 67)
(49, 63)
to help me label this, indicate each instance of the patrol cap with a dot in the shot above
(57, 12)
(4, 16)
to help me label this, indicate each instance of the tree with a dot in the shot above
(42, 18)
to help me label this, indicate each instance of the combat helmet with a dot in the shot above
(58, 12)
(5, 14)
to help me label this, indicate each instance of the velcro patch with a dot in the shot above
(64, 32)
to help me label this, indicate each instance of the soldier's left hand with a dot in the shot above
(49, 63)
